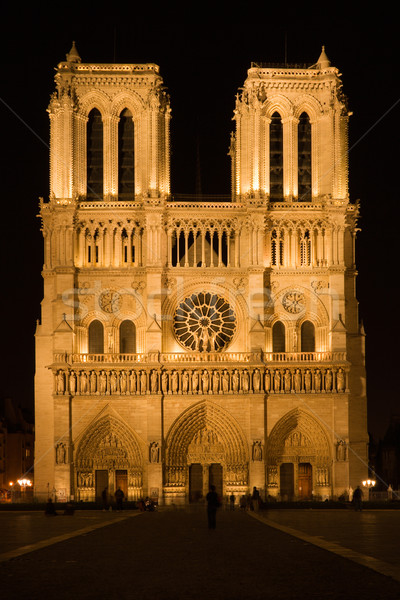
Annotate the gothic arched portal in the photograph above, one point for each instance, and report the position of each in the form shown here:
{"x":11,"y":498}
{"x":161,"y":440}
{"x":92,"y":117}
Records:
{"x":205,"y":435}
{"x":108,"y":454}
{"x":298,"y":447}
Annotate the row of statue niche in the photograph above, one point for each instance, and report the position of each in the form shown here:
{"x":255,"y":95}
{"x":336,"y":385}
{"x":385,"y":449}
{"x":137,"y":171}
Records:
{"x":236,"y":475}
{"x":128,"y":382}
{"x":176,"y":475}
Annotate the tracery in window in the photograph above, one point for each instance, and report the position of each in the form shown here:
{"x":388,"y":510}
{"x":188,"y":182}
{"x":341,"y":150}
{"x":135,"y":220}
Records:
{"x":94,"y":155}
{"x":304,"y":158}
{"x":126,"y":156}
{"x":204,"y":322}
{"x":276,"y":157}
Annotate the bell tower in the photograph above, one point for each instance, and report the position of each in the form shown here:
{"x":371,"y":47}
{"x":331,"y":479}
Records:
{"x":109,"y":178}
{"x":289,"y":151}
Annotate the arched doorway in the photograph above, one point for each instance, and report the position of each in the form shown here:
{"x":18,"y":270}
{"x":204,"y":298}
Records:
{"x":108,"y":456}
{"x":299,"y":458}
{"x":205,"y":446}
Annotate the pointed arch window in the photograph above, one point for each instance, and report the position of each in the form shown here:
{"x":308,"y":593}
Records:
{"x":307,"y":336}
{"x":127,"y":337}
{"x":305,"y":248}
{"x":96,"y":337}
{"x":278,"y":337}
{"x":126,"y":155}
{"x":277,"y":248}
{"x":94,"y":155}
{"x":276,"y":157}
{"x":304,"y":158}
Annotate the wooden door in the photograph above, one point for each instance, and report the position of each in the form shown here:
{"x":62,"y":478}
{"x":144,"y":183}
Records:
{"x":195,"y":482}
{"x":121,"y":481}
{"x":305,"y":481}
{"x":215,"y":478}
{"x":101,"y":482}
{"x":287,"y":481}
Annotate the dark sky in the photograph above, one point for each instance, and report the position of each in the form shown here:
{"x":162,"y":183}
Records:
{"x":202,"y":65}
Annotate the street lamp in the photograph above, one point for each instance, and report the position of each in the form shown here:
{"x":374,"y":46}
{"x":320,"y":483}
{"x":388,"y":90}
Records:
{"x":367,"y":485}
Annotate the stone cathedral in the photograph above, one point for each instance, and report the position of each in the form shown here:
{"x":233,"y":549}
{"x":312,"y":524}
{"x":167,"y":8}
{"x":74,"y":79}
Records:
{"x":196,"y":341}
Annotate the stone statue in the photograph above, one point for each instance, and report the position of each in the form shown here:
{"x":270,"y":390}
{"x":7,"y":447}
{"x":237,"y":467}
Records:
{"x":132,"y":382}
{"x":267,"y":381}
{"x":297,"y":381}
{"x":195,"y":381}
{"x":143,"y":382}
{"x":84,"y":383}
{"x":317,"y":380}
{"x":256,"y":381}
{"x":235,"y":381}
{"x":340,"y":384}
{"x":185,"y":382}
{"x":93,"y":382}
{"x":245,"y":381}
{"x":215,"y":382}
{"x":113,"y":382}
{"x":225,"y":381}
{"x":277,"y":381}
{"x":328,"y":380}
{"x":257,"y":451}
{"x":164,"y":382}
{"x":205,"y":378}
{"x":174,"y":382}
{"x":154,"y":381}
{"x":72,"y":382}
{"x":341,"y":450}
{"x":154,"y":452}
{"x":307,"y":381}
{"x":123,"y":382}
{"x":60,"y":383}
{"x":61,"y":454}
{"x":103,"y":383}
{"x":288,"y":380}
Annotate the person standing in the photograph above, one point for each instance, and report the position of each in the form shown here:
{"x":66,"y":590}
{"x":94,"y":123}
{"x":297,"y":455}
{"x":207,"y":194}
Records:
{"x":104,"y":498}
{"x":357,"y":499}
{"x":212,"y":505}
{"x":119,"y":497}
{"x":256,"y":499}
{"x":232,"y":501}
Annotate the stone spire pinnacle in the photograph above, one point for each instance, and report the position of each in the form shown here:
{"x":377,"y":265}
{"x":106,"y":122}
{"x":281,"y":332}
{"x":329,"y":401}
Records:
{"x":73,"y":55}
{"x":323,"y":62}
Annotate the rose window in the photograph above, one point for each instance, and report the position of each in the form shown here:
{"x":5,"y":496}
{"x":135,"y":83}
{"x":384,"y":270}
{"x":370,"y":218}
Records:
{"x":204,"y":322}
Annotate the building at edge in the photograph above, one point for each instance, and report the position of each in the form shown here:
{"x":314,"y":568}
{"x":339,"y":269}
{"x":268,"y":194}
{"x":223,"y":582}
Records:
{"x":189,"y":342}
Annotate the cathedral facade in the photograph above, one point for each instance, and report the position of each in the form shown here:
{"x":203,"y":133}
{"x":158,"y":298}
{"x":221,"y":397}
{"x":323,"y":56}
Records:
{"x":189,"y":342}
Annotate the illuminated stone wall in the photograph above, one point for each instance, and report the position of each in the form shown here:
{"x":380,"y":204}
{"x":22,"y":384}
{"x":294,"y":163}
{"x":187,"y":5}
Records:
{"x":219,"y":299}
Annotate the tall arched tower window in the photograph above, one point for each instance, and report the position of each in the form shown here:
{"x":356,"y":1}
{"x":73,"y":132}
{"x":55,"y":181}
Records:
{"x":278,"y":337}
{"x":126,"y":155}
{"x":277,"y":248}
{"x":307,"y":337}
{"x":127,"y":337}
{"x":276,"y":157}
{"x":304,"y":158}
{"x":94,"y":155}
{"x":96,"y":337}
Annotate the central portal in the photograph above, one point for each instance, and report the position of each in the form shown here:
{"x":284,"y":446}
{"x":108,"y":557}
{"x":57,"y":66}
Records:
{"x":202,"y":477}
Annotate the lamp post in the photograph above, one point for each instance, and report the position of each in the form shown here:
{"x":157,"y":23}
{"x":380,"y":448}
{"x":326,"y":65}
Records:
{"x":367,"y":485}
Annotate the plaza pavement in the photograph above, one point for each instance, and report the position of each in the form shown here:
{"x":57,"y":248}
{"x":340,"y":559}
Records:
{"x":171,"y":554}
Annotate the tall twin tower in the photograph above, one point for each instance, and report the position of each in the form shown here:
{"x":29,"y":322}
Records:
{"x":189,"y":343}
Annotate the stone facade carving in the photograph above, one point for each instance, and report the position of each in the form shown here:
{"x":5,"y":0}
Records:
{"x":202,"y":377}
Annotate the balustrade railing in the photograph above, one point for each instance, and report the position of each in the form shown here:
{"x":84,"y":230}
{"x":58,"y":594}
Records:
{"x":190,"y":357}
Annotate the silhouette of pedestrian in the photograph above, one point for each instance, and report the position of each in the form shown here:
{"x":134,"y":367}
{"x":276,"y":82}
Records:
{"x":212,"y":505}
{"x":119,"y":496}
{"x":232,"y":501}
{"x":50,"y":510}
{"x":104,"y":498}
{"x":357,"y":499}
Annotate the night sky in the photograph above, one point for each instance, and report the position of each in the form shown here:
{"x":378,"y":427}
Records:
{"x":203,"y":66}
